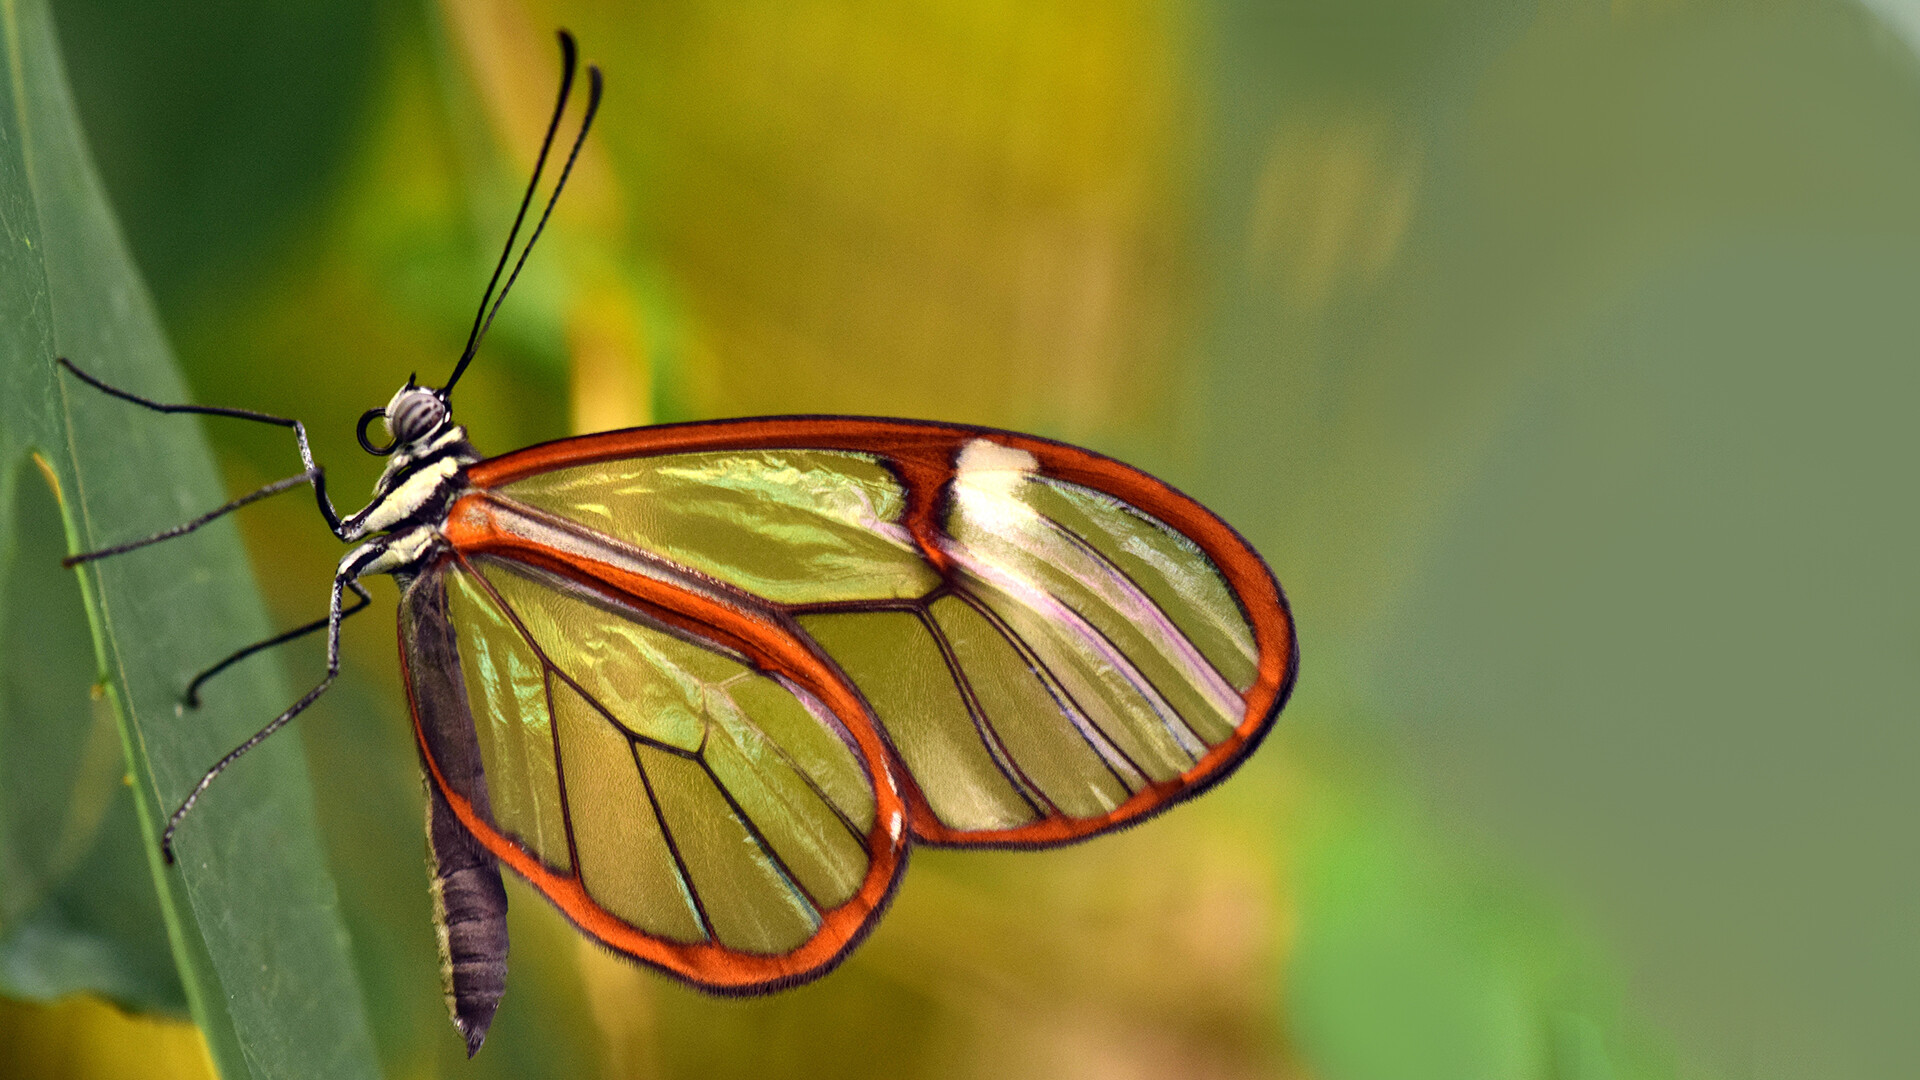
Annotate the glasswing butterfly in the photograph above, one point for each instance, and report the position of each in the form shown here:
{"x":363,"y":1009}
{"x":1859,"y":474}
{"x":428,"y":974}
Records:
{"x":704,"y":685}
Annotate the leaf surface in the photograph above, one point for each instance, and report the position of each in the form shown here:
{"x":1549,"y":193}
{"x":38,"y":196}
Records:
{"x":250,"y":912}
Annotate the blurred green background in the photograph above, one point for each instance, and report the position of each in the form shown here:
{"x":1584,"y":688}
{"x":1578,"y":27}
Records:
{"x":1558,"y":356}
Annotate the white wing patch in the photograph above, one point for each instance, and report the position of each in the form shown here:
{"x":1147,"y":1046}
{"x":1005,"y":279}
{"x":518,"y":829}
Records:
{"x":986,"y":483}
{"x":987,"y":465}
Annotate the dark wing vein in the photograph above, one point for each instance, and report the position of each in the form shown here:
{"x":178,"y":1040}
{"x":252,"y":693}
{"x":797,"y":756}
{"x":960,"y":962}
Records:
{"x":856,"y":607}
{"x":759,"y":838}
{"x":560,"y":773}
{"x":1170,"y":627}
{"x":673,"y":846}
{"x":1083,"y":724}
{"x":1017,"y":778}
{"x":1163,"y":709}
{"x":807,"y":778}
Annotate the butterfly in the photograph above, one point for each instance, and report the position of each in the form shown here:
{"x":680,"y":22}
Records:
{"x":705,"y":685}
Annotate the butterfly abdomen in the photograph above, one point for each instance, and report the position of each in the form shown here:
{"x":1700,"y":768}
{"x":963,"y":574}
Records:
{"x":469,"y":901}
{"x":470,"y":914}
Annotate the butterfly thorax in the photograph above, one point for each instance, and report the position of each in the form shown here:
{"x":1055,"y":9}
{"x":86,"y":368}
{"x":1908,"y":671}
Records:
{"x":410,"y":500}
{"x":417,"y":488}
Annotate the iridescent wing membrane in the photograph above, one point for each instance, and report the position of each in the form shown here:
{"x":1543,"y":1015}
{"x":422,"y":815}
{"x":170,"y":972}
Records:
{"x":714,"y":678}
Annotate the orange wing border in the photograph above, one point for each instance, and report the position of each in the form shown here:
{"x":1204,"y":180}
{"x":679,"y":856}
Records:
{"x":923,"y":455}
{"x":709,"y":964}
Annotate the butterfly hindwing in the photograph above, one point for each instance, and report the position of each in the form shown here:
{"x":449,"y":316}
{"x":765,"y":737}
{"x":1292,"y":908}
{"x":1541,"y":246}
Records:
{"x":678,"y":801}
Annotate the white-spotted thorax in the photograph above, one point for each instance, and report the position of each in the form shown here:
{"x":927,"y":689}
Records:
{"x":427,"y":472}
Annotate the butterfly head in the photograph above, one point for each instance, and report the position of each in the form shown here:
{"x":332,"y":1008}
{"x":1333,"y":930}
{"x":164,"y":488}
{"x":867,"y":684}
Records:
{"x":415,"y":414}
{"x":418,"y":415}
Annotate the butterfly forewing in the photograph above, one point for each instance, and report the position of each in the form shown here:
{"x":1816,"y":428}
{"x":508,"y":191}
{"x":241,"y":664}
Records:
{"x":788,"y":526}
{"x":1051,"y":643}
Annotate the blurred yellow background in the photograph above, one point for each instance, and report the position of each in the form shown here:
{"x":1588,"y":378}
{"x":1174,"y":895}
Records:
{"x":1558,"y":357}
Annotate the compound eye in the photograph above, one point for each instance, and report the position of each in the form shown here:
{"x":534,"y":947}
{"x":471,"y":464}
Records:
{"x":414,"y":415}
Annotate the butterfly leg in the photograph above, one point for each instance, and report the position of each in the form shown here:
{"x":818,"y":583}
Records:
{"x":186,"y":527}
{"x":313,"y":474}
{"x":192,"y":697}
{"x":371,"y":558}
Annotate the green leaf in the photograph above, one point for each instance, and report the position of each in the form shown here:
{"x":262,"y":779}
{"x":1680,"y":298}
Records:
{"x":250,"y":912}
{"x":77,"y":912}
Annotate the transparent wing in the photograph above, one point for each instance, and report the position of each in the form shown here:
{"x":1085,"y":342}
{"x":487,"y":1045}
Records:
{"x":677,"y":803}
{"x":1054,"y":644}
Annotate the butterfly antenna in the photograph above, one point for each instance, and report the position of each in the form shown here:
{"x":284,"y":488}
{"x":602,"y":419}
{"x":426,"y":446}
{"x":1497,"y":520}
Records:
{"x":483,"y":318}
{"x":586,"y":122}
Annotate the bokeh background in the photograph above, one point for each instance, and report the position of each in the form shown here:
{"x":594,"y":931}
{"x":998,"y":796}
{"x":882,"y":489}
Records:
{"x":1559,"y":356}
